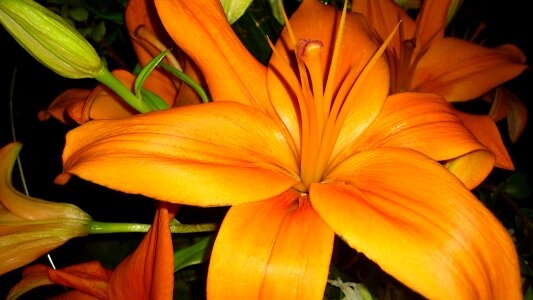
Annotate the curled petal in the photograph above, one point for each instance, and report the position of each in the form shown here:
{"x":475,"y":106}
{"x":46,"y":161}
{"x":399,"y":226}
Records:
{"x":234,"y":150}
{"x":420,"y":224}
{"x":472,"y":168}
{"x":288,"y":260}
{"x":486,"y":132}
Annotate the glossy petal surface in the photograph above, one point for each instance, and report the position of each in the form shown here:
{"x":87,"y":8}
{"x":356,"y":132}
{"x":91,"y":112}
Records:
{"x":414,"y":219}
{"x":289,"y":258}
{"x":235,"y":150}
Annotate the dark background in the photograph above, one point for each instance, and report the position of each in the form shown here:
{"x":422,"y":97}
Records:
{"x":33,"y":87}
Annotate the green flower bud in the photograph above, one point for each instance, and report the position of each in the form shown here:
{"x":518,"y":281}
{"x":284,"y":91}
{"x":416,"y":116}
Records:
{"x":50,"y":39}
{"x":31,"y":227}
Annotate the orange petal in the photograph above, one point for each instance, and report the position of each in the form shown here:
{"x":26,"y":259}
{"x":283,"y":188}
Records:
{"x":419,"y":224}
{"x":74,"y":295}
{"x":230,"y":152}
{"x":315,"y":21}
{"x":383,"y":16}
{"x":459,"y":70}
{"x":59,"y":106}
{"x":231,"y":72}
{"x":431,"y":22}
{"x":422,"y":122}
{"x":143,"y":13}
{"x":32,"y":277}
{"x":472,"y":168}
{"x":507,"y":105}
{"x":486,"y":132}
{"x":103,"y":104}
{"x":89,"y":278}
{"x":148,"y":273}
{"x":273,"y":249}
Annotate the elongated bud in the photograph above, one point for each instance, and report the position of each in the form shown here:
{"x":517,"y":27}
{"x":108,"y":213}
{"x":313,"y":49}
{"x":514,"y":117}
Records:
{"x":50,"y":39}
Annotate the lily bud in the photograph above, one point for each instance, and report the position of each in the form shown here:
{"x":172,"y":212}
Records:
{"x":50,"y":39}
{"x":31,"y":227}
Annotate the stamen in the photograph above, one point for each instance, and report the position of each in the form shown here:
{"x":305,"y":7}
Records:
{"x":309,"y":51}
{"x":328,"y":94}
{"x":335,"y":121}
{"x":346,"y":108}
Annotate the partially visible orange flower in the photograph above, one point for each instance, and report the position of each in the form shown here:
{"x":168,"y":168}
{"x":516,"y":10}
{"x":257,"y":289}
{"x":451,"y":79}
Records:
{"x":422,"y":59}
{"x":31,"y":227}
{"x":147,"y":273}
{"x":303,"y":149}
{"x":81,"y":105}
{"x":507,"y":105}
{"x":149,"y":39}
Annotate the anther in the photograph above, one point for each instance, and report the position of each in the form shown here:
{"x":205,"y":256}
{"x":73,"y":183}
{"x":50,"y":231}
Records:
{"x":308,"y":49}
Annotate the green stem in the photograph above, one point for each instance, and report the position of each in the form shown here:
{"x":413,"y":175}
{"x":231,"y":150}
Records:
{"x":125,"y":93}
{"x":109,"y":227}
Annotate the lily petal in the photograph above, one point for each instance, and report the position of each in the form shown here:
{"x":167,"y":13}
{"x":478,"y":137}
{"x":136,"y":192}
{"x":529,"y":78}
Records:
{"x":419,"y":121}
{"x":143,"y":13}
{"x":231,"y":72}
{"x":459,"y":70}
{"x":62,"y":102}
{"x":418,"y":222}
{"x":89,"y":278}
{"x":431,"y":22}
{"x":288,"y":260}
{"x":32,"y":277}
{"x":235,"y":150}
{"x":314,"y":21}
{"x":472,"y":168}
{"x":383,"y":16}
{"x":487,"y":133}
{"x":507,"y":105}
{"x":148,"y":273}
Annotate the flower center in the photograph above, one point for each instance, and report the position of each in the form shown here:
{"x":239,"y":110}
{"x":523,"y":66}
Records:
{"x":322,"y":103}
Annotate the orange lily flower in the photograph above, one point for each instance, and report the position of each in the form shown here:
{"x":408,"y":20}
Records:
{"x":149,"y":39}
{"x":306,"y":148}
{"x":147,"y":273}
{"x":31,"y":227}
{"x":422,"y":59}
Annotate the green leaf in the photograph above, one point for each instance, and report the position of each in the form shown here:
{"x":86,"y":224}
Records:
{"x":78,"y":14}
{"x":518,"y":185}
{"x":99,"y":31}
{"x":192,"y":255}
{"x":153,"y":100}
{"x":145,"y":72}
{"x":255,"y":26}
